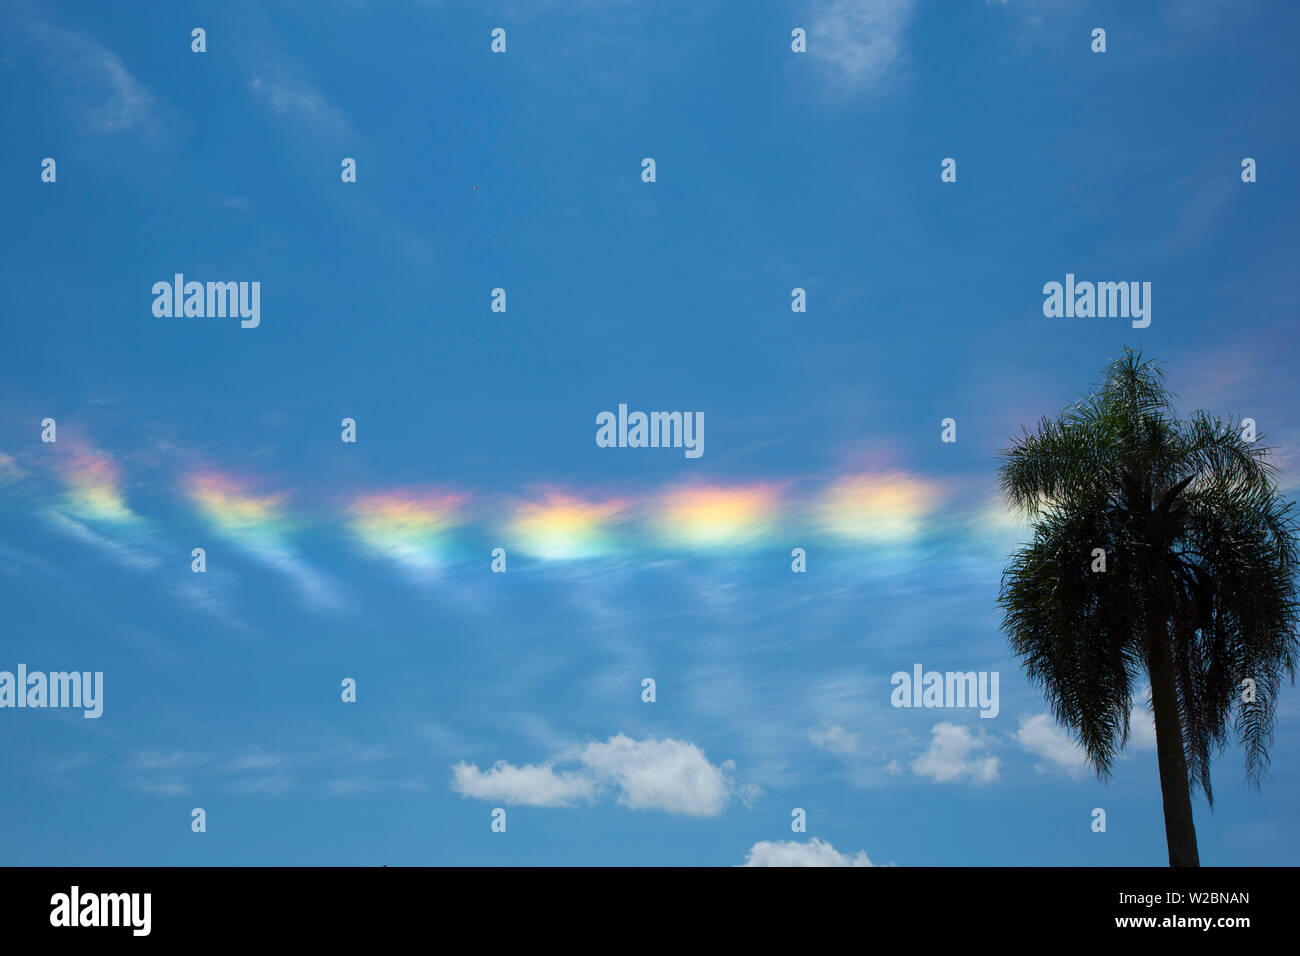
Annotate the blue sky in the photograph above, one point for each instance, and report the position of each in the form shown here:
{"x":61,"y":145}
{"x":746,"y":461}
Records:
{"x":522,"y":171}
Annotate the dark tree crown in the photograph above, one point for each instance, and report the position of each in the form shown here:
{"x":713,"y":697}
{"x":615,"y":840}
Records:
{"x":1200,"y":551}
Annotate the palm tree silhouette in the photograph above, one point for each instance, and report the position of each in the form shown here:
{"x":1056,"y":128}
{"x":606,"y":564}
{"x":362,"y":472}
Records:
{"x":1198,"y":590}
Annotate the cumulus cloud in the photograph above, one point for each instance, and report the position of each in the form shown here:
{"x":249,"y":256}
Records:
{"x":673,"y":776}
{"x":532,"y":785}
{"x":669,"y":775}
{"x":956,"y":753}
{"x":1142,"y":724}
{"x":1044,"y":738}
{"x":792,"y":853}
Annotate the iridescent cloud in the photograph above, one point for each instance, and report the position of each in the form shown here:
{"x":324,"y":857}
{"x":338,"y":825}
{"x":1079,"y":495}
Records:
{"x":9,"y":470}
{"x":999,"y":526}
{"x":563,"y":527}
{"x":235,"y":510}
{"x":426,"y":529}
{"x":259,"y":525}
{"x":717,"y":516}
{"x":94,"y":487}
{"x":877,"y":508}
{"x":411,"y":527}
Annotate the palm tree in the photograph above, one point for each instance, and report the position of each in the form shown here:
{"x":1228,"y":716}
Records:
{"x":1198,"y":588}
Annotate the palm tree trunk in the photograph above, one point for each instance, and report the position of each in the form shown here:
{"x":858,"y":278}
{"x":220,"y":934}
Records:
{"x":1180,"y":831}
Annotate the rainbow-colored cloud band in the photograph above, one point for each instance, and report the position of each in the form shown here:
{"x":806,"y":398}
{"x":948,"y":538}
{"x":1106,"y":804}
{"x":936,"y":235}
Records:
{"x":234,"y":509}
{"x":717,"y":516}
{"x":878,"y":509}
{"x":426,"y":528}
{"x":410,"y":526}
{"x":94,"y":486}
{"x":563,"y":527}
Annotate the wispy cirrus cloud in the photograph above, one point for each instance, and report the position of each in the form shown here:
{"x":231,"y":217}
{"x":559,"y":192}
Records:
{"x":94,"y":508}
{"x":408,"y":526}
{"x":834,"y":739}
{"x":10,"y":470}
{"x":258,"y":524}
{"x":341,"y":769}
{"x":94,"y":484}
{"x":118,"y":551}
{"x":102,"y":95}
{"x":858,"y":42}
{"x":284,"y":87}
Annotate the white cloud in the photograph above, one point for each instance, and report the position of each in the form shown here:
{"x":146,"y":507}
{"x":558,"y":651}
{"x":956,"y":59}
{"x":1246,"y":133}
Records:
{"x":104,"y":96}
{"x":1044,"y":738}
{"x":256,"y":760}
{"x":116,"y":551}
{"x":272,"y":784}
{"x":858,"y":40}
{"x":211,"y":596}
{"x":669,"y":775}
{"x":284,"y":87}
{"x":792,"y":853}
{"x":346,"y":786}
{"x":159,"y":760}
{"x":955,"y":753}
{"x":532,"y":785}
{"x":1034,"y":14}
{"x":255,"y":771}
{"x":318,"y":591}
{"x":9,"y":469}
{"x":1142,"y":724}
{"x":162,"y":788}
{"x":834,"y":739}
